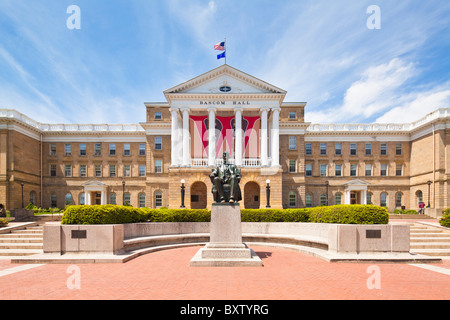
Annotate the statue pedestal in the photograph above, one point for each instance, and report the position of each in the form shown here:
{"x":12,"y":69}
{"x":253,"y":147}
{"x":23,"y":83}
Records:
{"x":225,"y":248}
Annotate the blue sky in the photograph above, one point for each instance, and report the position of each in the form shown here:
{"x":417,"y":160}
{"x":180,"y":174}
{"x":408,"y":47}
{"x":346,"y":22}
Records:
{"x":128,"y":52}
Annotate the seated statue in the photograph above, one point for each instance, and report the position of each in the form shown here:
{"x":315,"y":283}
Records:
{"x":225,"y":179}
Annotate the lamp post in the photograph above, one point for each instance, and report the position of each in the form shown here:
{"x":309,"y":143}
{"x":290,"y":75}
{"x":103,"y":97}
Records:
{"x":183,"y":191}
{"x":429,"y":192}
{"x":123,"y":192}
{"x":22,"y":194}
{"x":268,"y":193}
{"x":327,"y":183}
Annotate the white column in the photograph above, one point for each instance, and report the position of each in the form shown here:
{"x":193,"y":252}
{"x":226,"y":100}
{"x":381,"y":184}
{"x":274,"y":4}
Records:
{"x":87,"y":197}
{"x":212,"y":137}
{"x":174,"y":137}
{"x":103,"y":200}
{"x":238,"y":137}
{"x":347,"y":197}
{"x":264,"y":156}
{"x":275,"y":134}
{"x":186,"y":139}
{"x":364,"y":196}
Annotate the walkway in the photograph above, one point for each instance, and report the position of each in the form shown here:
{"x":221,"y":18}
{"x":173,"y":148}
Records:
{"x":166,"y":275}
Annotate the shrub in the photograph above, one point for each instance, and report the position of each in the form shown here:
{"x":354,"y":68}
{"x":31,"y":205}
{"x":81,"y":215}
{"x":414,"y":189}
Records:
{"x":275,"y":215}
{"x":350,"y":214}
{"x":177,"y":215}
{"x":106,"y":214}
{"x":445,"y":219}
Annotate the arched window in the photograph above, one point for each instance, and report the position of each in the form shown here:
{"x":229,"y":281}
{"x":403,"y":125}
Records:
{"x":338,"y":198}
{"x":158,"y":199}
{"x":141,"y":200}
{"x":53,"y":201}
{"x":398,"y":199}
{"x":323,"y":199}
{"x":68,"y":199}
{"x":383,"y":199}
{"x":112,"y":198}
{"x":419,"y":196}
{"x":292,"y":199}
{"x":369,"y":198}
{"x":127,"y":199}
{"x":309,"y":200}
{"x":82,"y":198}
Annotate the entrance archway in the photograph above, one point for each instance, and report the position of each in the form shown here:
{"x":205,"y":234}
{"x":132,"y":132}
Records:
{"x":251,"y":195}
{"x":198,"y":196}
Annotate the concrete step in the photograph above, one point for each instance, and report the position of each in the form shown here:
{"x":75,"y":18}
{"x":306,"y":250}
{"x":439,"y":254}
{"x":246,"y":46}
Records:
{"x":20,"y":245}
{"x":432,"y":252}
{"x":29,"y":231}
{"x":21,"y":235}
{"x":19,"y":252}
{"x":20,"y":240}
{"x":426,"y":230}
{"x":430,"y":245}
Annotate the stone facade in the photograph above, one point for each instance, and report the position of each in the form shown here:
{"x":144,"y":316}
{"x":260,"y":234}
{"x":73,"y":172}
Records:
{"x":305,"y":164}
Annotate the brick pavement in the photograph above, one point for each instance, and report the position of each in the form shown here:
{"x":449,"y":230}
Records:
{"x":166,"y":275}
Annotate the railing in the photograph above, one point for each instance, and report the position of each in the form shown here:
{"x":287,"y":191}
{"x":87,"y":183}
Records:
{"x":246,"y":162}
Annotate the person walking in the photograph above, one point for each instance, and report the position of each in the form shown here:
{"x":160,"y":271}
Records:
{"x":421,"y":208}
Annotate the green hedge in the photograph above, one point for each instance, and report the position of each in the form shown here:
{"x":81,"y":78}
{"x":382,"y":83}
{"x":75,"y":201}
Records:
{"x":106,"y":214}
{"x":112,"y":214}
{"x":445,"y":220}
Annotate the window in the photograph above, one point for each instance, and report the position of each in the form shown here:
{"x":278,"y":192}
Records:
{"x":126,"y":170}
{"x":419,"y":197}
{"x":338,"y":198}
{"x":53,"y":170}
{"x":292,"y":143}
{"x":82,"y":149}
{"x":158,"y":143}
{"x":323,"y":199}
{"x":141,"y":200}
{"x":98,"y":170}
{"x":308,"y":170}
{"x":142,"y":149}
{"x":53,"y":149}
{"x":67,"y":149}
{"x":368,"y":149}
{"x":83,"y":170}
{"x":292,"y":199}
{"x":112,"y":170}
{"x":353,"y":170}
{"x":68,"y":170}
{"x":292,"y":115}
{"x":323,"y":148}
{"x":98,"y":149}
{"x":383,"y":170}
{"x":383,"y":149}
{"x":68,"y":199}
{"x":158,"y":115}
{"x":127,"y":198}
{"x":353,"y":149}
{"x":323,"y":170}
{"x":398,"y":199}
{"x":158,"y":199}
{"x":158,"y":166}
{"x":368,"y":170}
{"x":338,"y":170}
{"x":369,"y":198}
{"x":126,"y":149}
{"x":112,"y":149}
{"x":338,"y":149}
{"x":53,"y":202}
{"x":398,"y":149}
{"x":142,"y":170}
{"x":308,"y":148}
{"x":113,"y":198}
{"x":399,"y":170}
{"x":308,"y":200}
{"x":82,"y":198}
{"x":33,"y":197}
{"x":383,"y":199}
{"x":292,"y":166}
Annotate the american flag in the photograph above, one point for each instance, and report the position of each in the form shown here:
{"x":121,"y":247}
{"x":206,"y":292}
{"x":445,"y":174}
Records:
{"x":219,"y":46}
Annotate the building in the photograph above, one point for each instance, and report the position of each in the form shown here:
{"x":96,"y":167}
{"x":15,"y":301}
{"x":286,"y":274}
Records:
{"x":146,"y":164}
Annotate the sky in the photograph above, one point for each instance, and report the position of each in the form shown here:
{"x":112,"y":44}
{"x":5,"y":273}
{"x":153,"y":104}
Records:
{"x":127,"y":52}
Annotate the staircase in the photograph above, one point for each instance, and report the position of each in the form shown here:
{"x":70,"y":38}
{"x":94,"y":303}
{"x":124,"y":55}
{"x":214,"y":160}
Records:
{"x":23,"y":242}
{"x":429,"y":240}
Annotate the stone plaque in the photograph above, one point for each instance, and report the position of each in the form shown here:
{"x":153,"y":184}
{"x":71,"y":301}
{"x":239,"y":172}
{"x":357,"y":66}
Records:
{"x":79,"y":234}
{"x":373,"y":234}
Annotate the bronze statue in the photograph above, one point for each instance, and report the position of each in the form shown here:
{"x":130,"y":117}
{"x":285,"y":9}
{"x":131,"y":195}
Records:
{"x":225,"y":179}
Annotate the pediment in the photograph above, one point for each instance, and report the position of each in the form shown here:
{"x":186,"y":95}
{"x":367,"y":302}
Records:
{"x":225,"y":80}
{"x":357,"y":182}
{"x":94,"y":183}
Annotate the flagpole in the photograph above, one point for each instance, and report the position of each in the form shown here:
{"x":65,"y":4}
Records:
{"x":225,"y":46}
